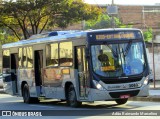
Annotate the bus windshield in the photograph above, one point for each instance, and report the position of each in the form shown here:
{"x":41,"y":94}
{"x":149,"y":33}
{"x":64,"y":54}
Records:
{"x":118,"y":60}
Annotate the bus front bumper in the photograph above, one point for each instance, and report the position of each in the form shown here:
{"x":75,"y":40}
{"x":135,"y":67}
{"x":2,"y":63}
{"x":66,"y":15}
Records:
{"x":101,"y":95}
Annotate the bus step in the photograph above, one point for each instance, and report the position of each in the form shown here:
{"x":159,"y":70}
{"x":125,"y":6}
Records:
{"x":41,"y":97}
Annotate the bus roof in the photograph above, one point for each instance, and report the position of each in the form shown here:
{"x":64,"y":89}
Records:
{"x":114,"y":29}
{"x":45,"y":39}
{"x":58,"y":36}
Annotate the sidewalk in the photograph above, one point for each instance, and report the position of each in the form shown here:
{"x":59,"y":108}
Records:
{"x":1,"y":91}
{"x":154,"y":94}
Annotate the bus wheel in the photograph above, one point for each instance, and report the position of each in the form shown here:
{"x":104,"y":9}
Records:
{"x":121,"y":101}
{"x":62,"y":100}
{"x":35,"y":100}
{"x":26,"y":95}
{"x":71,"y":97}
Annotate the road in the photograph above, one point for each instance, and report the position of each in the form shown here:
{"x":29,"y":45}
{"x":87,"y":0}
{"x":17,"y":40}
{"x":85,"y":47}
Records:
{"x":100,"y":108}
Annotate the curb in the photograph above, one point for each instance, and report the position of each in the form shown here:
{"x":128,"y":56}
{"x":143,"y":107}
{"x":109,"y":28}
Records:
{"x":2,"y":91}
{"x":155,"y":98}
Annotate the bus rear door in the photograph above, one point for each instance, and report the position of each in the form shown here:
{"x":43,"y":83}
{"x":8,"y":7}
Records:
{"x":10,"y":74}
{"x":38,"y":66}
{"x":14,"y":67}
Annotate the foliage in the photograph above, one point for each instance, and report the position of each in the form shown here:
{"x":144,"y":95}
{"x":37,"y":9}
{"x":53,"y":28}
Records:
{"x":6,"y":38}
{"x":104,"y":21}
{"x":148,"y":35}
{"x":119,"y":24}
{"x":2,"y":38}
{"x":30,"y":17}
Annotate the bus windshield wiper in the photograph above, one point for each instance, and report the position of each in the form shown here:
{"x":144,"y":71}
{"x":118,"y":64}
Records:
{"x":127,"y":48}
{"x":115,"y":53}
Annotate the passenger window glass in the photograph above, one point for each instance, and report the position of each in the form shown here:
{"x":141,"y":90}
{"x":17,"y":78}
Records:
{"x":66,"y":58}
{"x":24,"y":57}
{"x":52,"y":54}
{"x":20,"y":57}
{"x":6,"y":59}
{"x":29,"y":57}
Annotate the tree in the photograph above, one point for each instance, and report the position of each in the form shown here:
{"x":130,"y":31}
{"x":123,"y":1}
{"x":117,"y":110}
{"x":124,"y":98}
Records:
{"x":104,"y":21}
{"x":30,"y":17}
{"x":6,"y":38}
{"x":148,"y":35}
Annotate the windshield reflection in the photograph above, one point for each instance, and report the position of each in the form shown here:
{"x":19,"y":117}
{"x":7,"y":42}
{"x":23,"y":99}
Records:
{"x":115,"y":60}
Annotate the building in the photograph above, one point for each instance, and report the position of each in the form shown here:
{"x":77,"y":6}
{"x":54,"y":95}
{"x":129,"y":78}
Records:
{"x":142,"y":17}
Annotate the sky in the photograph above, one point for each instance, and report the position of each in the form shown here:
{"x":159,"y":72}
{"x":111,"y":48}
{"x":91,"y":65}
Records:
{"x":124,"y":2}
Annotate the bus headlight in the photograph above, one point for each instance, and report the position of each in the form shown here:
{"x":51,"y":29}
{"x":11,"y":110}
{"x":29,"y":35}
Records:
{"x":146,"y":81}
{"x":98,"y":85}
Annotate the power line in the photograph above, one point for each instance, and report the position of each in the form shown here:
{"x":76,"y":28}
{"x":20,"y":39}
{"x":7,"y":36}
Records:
{"x":97,"y":4}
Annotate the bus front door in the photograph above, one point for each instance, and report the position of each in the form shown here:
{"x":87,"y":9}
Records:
{"x":81,"y":66}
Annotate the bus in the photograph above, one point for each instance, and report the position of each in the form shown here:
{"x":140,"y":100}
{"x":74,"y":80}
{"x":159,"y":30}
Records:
{"x":78,"y":66}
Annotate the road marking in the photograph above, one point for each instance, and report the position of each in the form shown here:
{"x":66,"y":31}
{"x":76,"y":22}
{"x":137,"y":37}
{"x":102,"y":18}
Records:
{"x":41,"y":106}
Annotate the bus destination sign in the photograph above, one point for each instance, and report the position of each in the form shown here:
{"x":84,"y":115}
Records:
{"x":120,"y":35}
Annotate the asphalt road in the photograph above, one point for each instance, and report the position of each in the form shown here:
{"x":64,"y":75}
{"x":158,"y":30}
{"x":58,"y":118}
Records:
{"x":99,"y":109}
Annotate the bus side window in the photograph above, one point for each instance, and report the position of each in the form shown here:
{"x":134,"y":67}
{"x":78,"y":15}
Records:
{"x":20,"y":57}
{"x":6,"y":61}
{"x":24,"y":57}
{"x":29,"y":57}
{"x":66,"y":58}
{"x":52,"y":55}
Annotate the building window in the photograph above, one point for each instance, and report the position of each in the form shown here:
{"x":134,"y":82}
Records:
{"x":66,"y":58}
{"x":52,"y":55}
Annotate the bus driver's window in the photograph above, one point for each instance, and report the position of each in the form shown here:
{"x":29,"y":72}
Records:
{"x":103,"y":58}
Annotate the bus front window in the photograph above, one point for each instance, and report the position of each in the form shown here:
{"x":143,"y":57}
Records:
{"x":115,"y":60}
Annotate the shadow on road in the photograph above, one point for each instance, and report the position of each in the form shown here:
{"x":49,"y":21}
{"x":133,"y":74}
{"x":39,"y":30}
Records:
{"x":58,"y":108}
{"x":89,"y":106}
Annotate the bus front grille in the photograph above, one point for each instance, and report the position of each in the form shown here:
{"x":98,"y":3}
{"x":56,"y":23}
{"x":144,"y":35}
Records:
{"x":119,"y":81}
{"x":118,"y":94}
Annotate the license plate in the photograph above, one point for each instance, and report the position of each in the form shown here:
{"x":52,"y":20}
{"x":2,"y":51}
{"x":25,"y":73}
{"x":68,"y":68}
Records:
{"x":124,"y":96}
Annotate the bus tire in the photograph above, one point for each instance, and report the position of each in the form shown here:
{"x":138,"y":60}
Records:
{"x":121,"y":101}
{"x":26,"y":94}
{"x":62,"y":100}
{"x":71,"y":97}
{"x":35,"y":100}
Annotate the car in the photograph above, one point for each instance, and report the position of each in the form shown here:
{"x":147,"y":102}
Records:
{"x":1,"y":81}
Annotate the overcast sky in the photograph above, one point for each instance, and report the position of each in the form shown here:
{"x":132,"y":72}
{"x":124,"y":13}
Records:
{"x":124,"y":2}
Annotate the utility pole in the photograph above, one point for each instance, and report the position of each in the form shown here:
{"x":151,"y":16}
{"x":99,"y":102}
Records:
{"x":112,"y":20}
{"x":83,"y":25}
{"x":154,"y":81}
{"x":112,"y":10}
